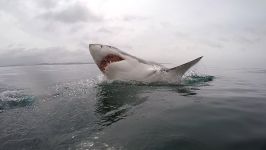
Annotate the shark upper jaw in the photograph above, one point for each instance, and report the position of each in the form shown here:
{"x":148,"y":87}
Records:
{"x":104,"y":55}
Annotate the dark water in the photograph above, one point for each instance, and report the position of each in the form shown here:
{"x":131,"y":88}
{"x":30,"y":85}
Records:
{"x":68,"y":107}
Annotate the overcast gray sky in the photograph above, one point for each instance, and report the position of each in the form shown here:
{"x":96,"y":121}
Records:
{"x":231,"y":32}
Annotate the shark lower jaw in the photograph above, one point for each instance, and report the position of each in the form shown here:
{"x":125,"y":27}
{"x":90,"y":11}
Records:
{"x":107,"y":60}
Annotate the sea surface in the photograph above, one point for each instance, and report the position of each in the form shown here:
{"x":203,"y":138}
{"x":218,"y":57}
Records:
{"x":71,"y":107}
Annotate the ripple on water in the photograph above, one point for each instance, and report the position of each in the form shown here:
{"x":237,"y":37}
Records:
{"x":14,"y":98}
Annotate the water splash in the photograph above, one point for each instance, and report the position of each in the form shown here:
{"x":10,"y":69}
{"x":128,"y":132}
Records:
{"x":189,"y":80}
{"x":14,"y":98}
{"x":196,"y":79}
{"x":75,"y":89}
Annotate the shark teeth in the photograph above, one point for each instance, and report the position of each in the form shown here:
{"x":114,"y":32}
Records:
{"x":108,"y":59}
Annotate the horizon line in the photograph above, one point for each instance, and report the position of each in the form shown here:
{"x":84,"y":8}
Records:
{"x":48,"y":64}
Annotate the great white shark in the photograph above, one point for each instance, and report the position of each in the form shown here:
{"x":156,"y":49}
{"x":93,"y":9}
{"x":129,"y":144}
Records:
{"x":118,"y":65}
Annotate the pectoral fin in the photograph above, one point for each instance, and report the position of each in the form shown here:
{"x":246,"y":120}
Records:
{"x":180,"y":70}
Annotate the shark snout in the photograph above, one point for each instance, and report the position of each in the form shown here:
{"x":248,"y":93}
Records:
{"x":97,"y":52}
{"x":95,"y":49}
{"x":95,"y":46}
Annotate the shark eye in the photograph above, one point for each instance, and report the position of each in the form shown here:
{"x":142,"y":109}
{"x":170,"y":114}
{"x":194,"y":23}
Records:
{"x":107,"y":60}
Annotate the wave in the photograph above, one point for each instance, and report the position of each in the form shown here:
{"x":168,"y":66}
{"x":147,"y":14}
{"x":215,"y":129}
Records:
{"x":14,"y":98}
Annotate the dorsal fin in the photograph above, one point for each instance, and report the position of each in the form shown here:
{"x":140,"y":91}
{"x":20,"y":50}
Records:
{"x":180,"y":70}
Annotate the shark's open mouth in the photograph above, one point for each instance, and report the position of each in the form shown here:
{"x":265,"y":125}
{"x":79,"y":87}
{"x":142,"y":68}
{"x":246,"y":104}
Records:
{"x":108,"y":59}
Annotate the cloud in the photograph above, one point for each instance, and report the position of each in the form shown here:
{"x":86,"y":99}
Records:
{"x":35,"y":31}
{"x":134,"y":18}
{"x":104,"y":30}
{"x":47,"y":4}
{"x":72,"y":14}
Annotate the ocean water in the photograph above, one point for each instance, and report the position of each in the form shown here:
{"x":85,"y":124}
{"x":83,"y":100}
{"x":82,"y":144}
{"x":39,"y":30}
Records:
{"x":71,"y":107}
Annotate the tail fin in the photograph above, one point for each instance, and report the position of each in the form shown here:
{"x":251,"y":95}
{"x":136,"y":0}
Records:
{"x":180,"y":70}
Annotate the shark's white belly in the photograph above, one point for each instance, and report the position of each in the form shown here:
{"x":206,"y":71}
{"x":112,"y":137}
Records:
{"x":135,"y":71}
